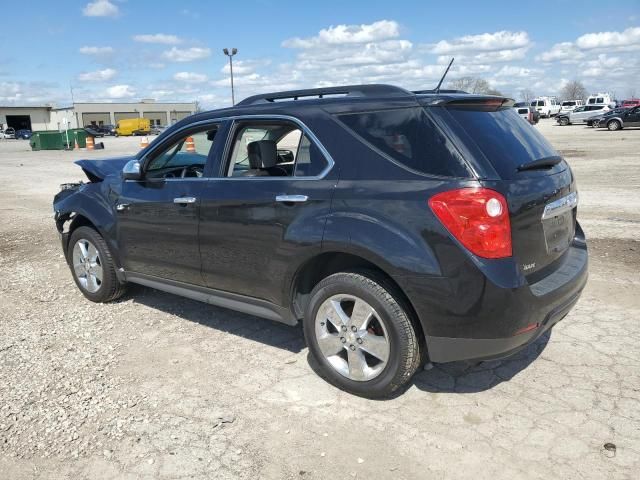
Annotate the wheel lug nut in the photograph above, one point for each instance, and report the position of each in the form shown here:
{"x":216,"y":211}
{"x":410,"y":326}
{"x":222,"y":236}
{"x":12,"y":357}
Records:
{"x":359,"y":340}
{"x":352,"y":347}
{"x":344,"y":328}
{"x":322,"y":324}
{"x":353,"y":328}
{"x":343,"y":340}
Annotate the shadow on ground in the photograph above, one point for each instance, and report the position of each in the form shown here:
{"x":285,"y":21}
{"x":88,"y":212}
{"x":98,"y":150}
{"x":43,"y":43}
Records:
{"x":456,"y":377}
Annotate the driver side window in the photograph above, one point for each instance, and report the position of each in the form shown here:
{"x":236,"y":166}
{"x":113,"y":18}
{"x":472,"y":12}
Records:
{"x":185,"y":158}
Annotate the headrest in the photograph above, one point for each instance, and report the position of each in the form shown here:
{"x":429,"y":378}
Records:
{"x":262,"y":154}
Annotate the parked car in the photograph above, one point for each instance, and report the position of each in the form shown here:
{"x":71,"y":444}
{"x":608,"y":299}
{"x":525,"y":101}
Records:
{"x":398,"y":227}
{"x":94,"y":132}
{"x":9,"y":133}
{"x":103,"y":129}
{"x":157,"y":129}
{"x":530,"y":114}
{"x":547,"y":106}
{"x":23,"y":134}
{"x":581,"y":114}
{"x":619,"y":119}
{"x":570,"y":105}
{"x":596,"y":119}
{"x":633,"y":102}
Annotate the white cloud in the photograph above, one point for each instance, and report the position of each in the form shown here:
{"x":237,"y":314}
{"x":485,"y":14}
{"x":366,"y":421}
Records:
{"x":190,"y":77}
{"x":186,"y":54}
{"x":244,"y":67}
{"x":561,"y":52}
{"x":162,"y":38}
{"x":96,"y":50}
{"x":627,"y":40}
{"x":100,"y":8}
{"x":98,"y":75}
{"x":485,"y":42}
{"x":119,"y":91}
{"x":345,"y":34}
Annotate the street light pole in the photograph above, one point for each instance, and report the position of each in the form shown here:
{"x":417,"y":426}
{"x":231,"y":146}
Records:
{"x":230,"y":55}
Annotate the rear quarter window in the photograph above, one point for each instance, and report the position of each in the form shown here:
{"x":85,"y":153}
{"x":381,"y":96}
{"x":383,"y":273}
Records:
{"x":410,"y":138}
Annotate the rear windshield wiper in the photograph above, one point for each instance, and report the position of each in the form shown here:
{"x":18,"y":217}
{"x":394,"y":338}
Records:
{"x":540,"y":164}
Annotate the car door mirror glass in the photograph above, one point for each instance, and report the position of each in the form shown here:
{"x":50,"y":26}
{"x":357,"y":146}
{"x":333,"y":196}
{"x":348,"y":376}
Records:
{"x":132,"y":170}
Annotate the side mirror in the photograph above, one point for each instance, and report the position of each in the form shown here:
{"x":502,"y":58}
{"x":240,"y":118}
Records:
{"x":132,"y":171}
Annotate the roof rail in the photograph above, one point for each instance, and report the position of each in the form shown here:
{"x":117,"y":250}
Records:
{"x":370,"y":90}
{"x":442,"y":90}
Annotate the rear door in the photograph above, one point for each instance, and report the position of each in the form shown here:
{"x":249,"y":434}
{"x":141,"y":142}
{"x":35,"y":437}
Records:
{"x":537,"y":182}
{"x":259,"y":221}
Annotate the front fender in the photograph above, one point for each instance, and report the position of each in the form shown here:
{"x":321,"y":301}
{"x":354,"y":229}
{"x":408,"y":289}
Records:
{"x":88,"y":202}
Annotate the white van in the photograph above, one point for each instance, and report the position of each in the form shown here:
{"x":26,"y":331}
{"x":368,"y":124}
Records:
{"x":570,"y":105}
{"x":547,"y":106}
{"x":599,"y":99}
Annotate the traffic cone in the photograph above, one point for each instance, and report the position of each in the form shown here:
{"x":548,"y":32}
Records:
{"x":144,"y":142}
{"x":90,"y":145}
{"x":191,"y":146}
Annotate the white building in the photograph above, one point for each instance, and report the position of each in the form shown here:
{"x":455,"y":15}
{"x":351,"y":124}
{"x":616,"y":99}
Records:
{"x":82,"y":114}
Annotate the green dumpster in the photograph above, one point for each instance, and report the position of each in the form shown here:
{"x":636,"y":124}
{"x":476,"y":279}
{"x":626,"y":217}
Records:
{"x":79,"y":134}
{"x":47,"y":140}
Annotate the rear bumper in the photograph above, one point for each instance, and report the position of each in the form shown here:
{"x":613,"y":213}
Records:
{"x":471,"y":317}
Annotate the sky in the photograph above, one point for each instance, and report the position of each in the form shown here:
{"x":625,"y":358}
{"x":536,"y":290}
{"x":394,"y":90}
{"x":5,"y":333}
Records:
{"x":126,"y":50}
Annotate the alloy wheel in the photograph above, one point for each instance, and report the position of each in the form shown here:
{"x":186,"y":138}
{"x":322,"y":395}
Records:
{"x":87,"y":265}
{"x":352,"y":337}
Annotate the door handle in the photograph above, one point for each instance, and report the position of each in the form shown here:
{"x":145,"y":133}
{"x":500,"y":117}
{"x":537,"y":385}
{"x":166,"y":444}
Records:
{"x":291,"y":198}
{"x":184,"y":200}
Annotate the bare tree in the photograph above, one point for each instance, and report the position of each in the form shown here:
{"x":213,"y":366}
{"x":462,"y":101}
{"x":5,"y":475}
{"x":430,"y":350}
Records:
{"x":632,"y":93}
{"x":574,"y":90}
{"x":198,"y":107}
{"x":473,"y":85}
{"x":527,"y":95}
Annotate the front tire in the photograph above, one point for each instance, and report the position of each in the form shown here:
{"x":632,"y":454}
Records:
{"x":564,"y":121}
{"x":92,"y":266}
{"x":614,"y":125}
{"x":361,"y":335}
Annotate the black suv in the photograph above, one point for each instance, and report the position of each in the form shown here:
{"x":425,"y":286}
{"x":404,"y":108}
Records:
{"x":400,"y":227}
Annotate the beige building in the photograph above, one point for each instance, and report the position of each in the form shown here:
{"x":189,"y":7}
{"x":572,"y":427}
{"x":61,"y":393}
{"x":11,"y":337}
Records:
{"x":83,"y":114}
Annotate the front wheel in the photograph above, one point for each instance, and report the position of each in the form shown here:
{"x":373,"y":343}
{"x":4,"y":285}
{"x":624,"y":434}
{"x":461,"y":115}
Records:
{"x":614,"y":125}
{"x":564,"y":121}
{"x":360,"y":335}
{"x":92,"y":266}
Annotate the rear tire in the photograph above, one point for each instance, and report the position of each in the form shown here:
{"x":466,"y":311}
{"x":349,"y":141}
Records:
{"x":614,"y":125}
{"x":373,"y":357}
{"x":92,"y":266}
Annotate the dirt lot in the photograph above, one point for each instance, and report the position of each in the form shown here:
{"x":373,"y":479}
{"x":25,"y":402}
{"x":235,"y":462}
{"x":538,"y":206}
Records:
{"x":157,"y":386}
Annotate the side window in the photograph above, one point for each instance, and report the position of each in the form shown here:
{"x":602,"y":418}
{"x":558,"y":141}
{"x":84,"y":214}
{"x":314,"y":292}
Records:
{"x":185,"y":158}
{"x":278,"y":149}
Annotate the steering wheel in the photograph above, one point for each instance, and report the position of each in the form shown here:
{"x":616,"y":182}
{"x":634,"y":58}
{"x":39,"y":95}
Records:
{"x":196,"y":168}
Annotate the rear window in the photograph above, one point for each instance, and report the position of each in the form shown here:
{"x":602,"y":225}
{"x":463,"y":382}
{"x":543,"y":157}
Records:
{"x":409,"y":137}
{"x":505,"y":140}
{"x":568,"y":104}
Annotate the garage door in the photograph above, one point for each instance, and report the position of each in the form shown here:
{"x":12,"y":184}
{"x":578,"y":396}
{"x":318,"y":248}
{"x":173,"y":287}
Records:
{"x":177,"y":116}
{"x":96,"y":118}
{"x":19,"y":122}
{"x":122,"y":115}
{"x":156,"y":118}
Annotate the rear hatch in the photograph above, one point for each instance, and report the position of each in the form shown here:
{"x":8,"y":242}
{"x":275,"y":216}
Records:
{"x":536,"y":181}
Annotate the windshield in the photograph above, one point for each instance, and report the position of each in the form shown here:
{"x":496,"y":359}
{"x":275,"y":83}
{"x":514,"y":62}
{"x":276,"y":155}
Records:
{"x":504,"y":139}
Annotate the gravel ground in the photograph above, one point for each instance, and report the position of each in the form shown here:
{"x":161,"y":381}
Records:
{"x":157,"y":386}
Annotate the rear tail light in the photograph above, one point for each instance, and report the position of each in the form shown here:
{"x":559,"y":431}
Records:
{"x":478,"y":218}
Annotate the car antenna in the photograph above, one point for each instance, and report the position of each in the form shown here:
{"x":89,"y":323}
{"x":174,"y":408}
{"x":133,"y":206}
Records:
{"x":445,"y":74}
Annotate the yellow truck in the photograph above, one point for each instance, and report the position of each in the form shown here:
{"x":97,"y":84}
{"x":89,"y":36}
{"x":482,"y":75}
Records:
{"x":133,"y":126}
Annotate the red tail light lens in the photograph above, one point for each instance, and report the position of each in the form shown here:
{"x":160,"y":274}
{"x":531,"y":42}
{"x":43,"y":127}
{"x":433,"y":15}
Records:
{"x":478,"y":218}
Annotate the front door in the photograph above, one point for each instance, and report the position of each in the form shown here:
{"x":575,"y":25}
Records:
{"x":632,"y":118}
{"x":158,"y":215}
{"x":266,"y":212}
